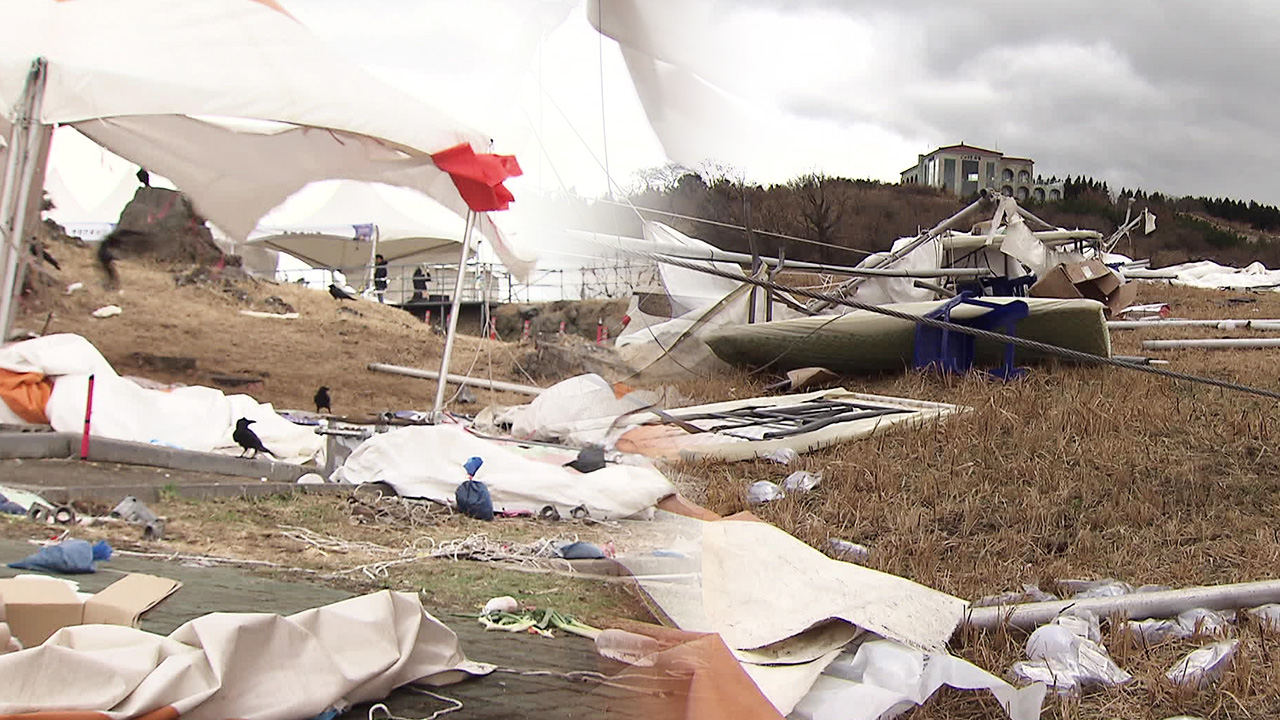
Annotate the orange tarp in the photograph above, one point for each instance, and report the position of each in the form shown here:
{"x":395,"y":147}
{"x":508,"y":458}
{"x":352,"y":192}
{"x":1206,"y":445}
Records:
{"x":26,"y":394}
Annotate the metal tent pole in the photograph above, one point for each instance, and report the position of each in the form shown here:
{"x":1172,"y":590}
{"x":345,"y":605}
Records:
{"x":438,"y":409}
{"x":19,"y":173}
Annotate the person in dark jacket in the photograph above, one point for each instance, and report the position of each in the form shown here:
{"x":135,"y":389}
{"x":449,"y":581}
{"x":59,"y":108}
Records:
{"x":380,"y":276}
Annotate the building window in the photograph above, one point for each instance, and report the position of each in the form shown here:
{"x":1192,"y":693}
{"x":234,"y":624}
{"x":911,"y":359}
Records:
{"x":1054,"y":195}
{"x":1022,"y":192}
{"x":949,"y":172}
{"x":1007,"y":176}
{"x":1039,"y":194}
{"x":1006,"y":190}
{"x":1024,"y":176}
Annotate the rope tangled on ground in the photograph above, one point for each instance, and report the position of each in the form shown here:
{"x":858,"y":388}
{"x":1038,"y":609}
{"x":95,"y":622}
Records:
{"x":477,"y":546}
{"x":394,"y":510}
{"x":455,"y":705}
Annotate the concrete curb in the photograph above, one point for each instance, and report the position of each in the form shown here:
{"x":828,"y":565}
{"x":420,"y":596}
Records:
{"x":66,"y":494}
{"x":67,"y":445}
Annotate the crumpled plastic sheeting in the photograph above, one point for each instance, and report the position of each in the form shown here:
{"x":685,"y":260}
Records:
{"x":427,"y":462}
{"x":884,"y":678}
{"x":1204,"y":666}
{"x":1067,"y":655}
{"x":191,"y":418}
{"x":1211,"y":275}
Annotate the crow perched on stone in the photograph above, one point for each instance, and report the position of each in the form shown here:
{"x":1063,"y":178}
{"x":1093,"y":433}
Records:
{"x":248,"y":439}
{"x":322,"y":399}
{"x":339,"y":294}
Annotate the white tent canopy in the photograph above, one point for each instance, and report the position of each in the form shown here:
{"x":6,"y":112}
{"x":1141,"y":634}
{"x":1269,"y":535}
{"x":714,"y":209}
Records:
{"x":319,"y":226}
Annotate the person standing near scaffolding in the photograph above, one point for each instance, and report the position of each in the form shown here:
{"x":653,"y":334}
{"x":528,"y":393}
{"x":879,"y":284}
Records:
{"x":380,"y":276}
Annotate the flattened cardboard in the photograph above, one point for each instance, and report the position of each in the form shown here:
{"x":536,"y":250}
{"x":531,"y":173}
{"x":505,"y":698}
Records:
{"x":36,"y":609}
{"x":124,"y":601}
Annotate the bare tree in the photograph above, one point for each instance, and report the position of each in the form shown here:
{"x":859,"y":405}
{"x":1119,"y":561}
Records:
{"x":822,"y":205}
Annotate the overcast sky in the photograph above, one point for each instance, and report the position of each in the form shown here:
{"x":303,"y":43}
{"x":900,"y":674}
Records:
{"x":1176,"y":95}
{"x":1171,"y":95}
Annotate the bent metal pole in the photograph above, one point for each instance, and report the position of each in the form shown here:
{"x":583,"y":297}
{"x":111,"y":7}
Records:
{"x":438,"y":408}
{"x":18,"y":177}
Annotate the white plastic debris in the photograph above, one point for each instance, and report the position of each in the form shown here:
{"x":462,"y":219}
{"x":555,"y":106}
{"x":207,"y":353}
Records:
{"x":627,"y":647}
{"x":1267,"y":615}
{"x":504,"y":603}
{"x":74,"y":287}
{"x":764,"y":491}
{"x":782,"y":456}
{"x":1152,"y":631}
{"x":1083,"y":589}
{"x":849,"y":551}
{"x":1030,"y":593}
{"x":1204,"y":666}
{"x":801,"y":481}
{"x":1199,"y":621}
{"x":311,"y":479}
{"x":1066,"y":657}
{"x":107,"y":311}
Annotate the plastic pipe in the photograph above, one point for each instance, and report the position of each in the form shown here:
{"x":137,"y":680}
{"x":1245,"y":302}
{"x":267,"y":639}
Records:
{"x":456,"y":379}
{"x":1212,"y":343}
{"x":1220,"y":324}
{"x":1136,"y":606}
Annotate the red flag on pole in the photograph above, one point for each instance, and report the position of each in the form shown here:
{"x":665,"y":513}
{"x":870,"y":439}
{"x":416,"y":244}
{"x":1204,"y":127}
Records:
{"x":479,"y":177}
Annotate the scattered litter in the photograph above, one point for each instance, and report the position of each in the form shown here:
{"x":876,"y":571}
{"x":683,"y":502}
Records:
{"x":1143,"y":312}
{"x":801,"y":481}
{"x":1267,"y":615}
{"x":537,"y":622}
{"x":627,"y":647}
{"x":1200,"y":621}
{"x":1084,"y":589}
{"x":849,"y":551}
{"x":107,"y":311}
{"x":72,"y":556}
{"x":504,"y":603}
{"x":764,"y":491}
{"x":278,"y":316}
{"x":474,"y":501}
{"x":311,"y":479}
{"x":1152,"y":631}
{"x":1067,"y":656}
{"x":1030,"y":593}
{"x":782,"y":456}
{"x":1203,"y":667}
{"x":132,"y":510}
{"x":74,"y":287}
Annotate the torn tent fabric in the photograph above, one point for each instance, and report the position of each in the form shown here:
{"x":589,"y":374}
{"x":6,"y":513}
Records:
{"x":191,"y":418}
{"x":236,"y":665}
{"x":479,"y":176}
{"x":427,"y":462}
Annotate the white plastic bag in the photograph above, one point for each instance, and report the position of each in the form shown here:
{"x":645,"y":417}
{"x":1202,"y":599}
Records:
{"x":1204,"y":666}
{"x":801,"y":481}
{"x":764,"y":491}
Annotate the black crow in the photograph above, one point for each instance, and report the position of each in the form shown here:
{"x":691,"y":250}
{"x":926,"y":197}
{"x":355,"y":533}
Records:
{"x":248,"y":439}
{"x":108,"y":248}
{"x":144,"y":177}
{"x":322,"y":399}
{"x":339,"y":294}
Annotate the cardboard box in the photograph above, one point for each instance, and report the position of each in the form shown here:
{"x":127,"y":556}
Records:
{"x":1090,"y":279}
{"x":37,"y":608}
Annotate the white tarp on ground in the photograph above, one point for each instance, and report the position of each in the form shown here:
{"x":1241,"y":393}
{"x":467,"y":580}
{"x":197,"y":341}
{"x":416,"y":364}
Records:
{"x":239,"y":665}
{"x":760,"y":585}
{"x":427,"y":462}
{"x":191,"y":418}
{"x":1211,"y":275}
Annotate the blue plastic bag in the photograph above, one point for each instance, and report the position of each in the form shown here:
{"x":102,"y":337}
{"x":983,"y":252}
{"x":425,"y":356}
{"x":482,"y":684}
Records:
{"x":70,"y":557}
{"x":473,"y":500}
{"x":472,"y":465}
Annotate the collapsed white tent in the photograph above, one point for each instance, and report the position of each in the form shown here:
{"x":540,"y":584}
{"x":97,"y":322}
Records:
{"x":191,"y":418}
{"x":160,"y":83}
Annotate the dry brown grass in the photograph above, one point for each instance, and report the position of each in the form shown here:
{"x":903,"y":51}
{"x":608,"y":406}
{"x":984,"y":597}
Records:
{"x":325,"y":346}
